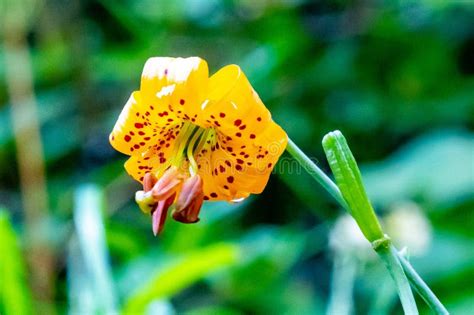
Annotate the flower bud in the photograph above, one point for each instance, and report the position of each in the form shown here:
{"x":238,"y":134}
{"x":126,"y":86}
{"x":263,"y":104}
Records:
{"x":349,"y":180}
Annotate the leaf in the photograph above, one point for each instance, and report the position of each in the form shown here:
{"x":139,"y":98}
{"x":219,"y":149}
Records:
{"x":89,"y":258}
{"x":191,"y":268}
{"x":15,"y":296}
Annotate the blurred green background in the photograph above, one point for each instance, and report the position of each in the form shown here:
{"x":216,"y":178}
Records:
{"x":396,"y":77}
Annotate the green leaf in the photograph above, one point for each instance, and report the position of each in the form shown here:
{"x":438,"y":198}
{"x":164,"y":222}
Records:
{"x":15,"y":297}
{"x":88,"y":256}
{"x":191,"y":268}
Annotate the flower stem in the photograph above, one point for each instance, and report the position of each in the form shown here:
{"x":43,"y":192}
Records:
{"x":388,"y":254}
{"x":391,"y":255}
{"x":421,"y":287}
{"x":315,"y":172}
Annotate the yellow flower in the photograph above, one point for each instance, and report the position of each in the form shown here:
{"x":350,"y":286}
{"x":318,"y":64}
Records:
{"x":210,"y":138}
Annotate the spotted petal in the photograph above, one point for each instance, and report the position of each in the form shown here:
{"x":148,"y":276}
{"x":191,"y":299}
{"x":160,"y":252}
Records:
{"x":248,"y":142}
{"x":181,"y":81}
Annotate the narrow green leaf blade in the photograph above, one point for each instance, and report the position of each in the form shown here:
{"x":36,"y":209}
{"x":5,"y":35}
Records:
{"x":15,"y":296}
{"x":192,"y":267}
{"x":91,"y":248}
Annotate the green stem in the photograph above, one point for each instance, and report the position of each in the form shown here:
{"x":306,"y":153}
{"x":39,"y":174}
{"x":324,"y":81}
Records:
{"x":421,"y":287}
{"x":315,"y":172}
{"x":388,"y":254}
{"x":334,"y":191}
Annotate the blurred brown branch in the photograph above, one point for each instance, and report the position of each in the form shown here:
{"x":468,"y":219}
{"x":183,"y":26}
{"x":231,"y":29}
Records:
{"x":29,"y":149}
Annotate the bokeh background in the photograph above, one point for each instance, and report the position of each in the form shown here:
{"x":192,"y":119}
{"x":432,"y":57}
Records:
{"x":396,"y":77}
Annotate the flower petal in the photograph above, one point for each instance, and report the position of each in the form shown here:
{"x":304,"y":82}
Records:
{"x":248,"y":142}
{"x":234,"y":108}
{"x":153,"y":160}
{"x":180,"y":82}
{"x":143,"y":124}
{"x":232,"y":170}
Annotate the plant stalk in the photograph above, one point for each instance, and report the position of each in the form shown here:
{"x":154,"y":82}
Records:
{"x":421,"y":287}
{"x":314,"y":171}
{"x":29,"y":149}
{"x":388,"y":254}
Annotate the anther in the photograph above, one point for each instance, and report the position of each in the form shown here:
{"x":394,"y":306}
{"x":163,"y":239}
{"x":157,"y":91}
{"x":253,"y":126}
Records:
{"x":189,"y":202}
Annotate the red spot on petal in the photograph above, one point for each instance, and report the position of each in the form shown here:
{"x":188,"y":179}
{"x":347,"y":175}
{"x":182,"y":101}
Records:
{"x":181,"y":101}
{"x":252,"y":136}
{"x":238,"y":134}
{"x":259,"y":118}
{"x":237,"y":122}
{"x":138,"y":125}
{"x":213,"y":195}
{"x":222,"y":115}
{"x":127,"y":138}
{"x":230,"y":179}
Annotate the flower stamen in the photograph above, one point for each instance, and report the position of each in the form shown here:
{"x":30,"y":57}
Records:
{"x":190,"y":151}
